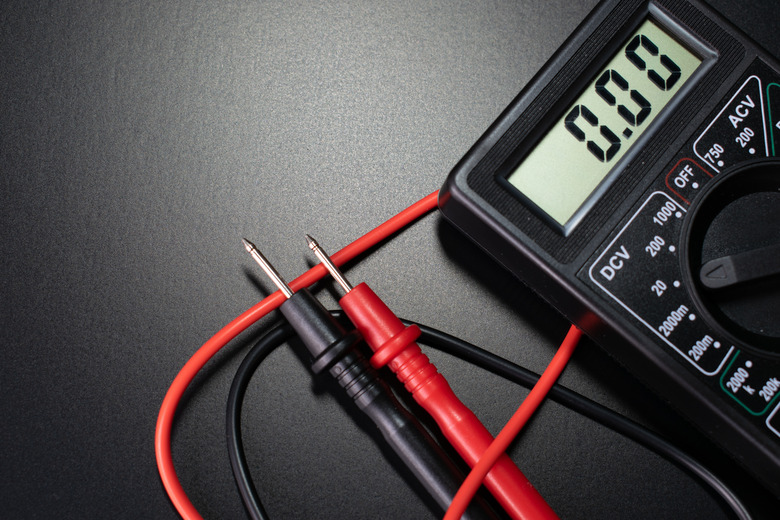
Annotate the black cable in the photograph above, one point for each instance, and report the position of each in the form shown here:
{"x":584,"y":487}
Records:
{"x":484,"y":359}
{"x":280,"y":333}
{"x":581,"y":404}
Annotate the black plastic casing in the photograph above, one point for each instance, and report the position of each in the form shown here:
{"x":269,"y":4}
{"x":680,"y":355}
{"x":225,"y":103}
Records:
{"x":551,"y":262}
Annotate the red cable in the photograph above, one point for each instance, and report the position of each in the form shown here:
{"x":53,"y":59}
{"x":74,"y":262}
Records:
{"x":513,"y":427}
{"x":162,"y":438}
{"x":394,"y":345}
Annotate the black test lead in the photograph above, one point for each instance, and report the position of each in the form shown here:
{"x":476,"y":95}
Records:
{"x":333,"y":349}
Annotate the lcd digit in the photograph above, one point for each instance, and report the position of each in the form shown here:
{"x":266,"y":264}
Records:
{"x":576,"y":156}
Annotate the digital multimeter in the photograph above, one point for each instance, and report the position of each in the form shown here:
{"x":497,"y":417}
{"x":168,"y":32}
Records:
{"x":633,"y":185}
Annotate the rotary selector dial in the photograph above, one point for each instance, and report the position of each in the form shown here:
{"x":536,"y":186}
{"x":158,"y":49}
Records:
{"x":731,"y":255}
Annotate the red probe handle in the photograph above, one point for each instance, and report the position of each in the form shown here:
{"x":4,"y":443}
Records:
{"x":393,"y":344}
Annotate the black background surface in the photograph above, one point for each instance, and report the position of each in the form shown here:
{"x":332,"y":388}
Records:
{"x":139,"y":141}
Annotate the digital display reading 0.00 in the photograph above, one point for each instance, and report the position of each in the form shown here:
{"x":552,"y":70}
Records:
{"x":569,"y":163}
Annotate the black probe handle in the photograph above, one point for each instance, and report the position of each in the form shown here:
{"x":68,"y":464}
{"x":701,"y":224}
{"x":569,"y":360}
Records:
{"x":333,"y":349}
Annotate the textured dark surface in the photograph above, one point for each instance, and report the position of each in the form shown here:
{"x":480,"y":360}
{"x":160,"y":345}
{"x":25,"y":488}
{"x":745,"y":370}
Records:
{"x":139,"y":141}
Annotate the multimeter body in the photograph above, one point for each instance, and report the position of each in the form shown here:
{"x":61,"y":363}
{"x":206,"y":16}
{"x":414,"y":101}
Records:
{"x":649,"y":256}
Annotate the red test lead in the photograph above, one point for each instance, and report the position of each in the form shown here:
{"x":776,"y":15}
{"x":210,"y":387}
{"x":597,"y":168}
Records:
{"x":394,"y":345}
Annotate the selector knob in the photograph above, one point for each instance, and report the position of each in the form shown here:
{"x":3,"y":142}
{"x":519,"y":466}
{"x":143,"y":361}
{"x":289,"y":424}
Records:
{"x":731,"y":255}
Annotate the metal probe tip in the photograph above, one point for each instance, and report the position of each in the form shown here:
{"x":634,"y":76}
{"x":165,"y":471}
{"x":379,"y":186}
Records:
{"x":272,"y":273}
{"x":325,"y":260}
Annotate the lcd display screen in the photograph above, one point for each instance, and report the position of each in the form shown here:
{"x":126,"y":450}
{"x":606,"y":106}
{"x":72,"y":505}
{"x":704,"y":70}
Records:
{"x":567,"y":166}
